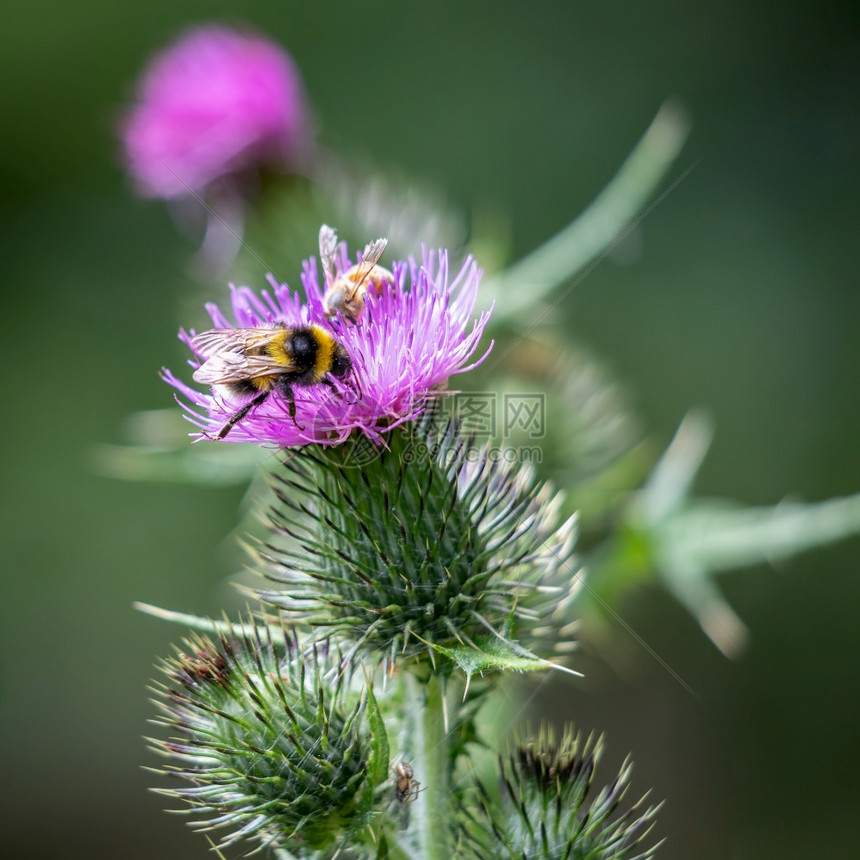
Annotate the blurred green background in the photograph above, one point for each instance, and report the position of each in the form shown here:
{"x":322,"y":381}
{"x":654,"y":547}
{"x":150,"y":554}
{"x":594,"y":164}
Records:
{"x":737,"y":293}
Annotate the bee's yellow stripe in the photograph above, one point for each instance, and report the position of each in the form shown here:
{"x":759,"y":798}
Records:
{"x":276,"y":348}
{"x":325,"y":351}
{"x":264,"y":383}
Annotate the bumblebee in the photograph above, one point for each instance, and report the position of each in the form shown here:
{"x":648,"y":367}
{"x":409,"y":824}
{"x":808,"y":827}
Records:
{"x":345,"y":291}
{"x":405,"y":787}
{"x":258,"y":361}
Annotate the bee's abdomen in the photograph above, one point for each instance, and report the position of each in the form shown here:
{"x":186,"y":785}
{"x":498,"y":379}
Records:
{"x":246,"y":387}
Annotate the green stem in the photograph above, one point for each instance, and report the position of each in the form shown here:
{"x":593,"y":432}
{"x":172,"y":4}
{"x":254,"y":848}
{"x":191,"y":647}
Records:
{"x":431,"y":766}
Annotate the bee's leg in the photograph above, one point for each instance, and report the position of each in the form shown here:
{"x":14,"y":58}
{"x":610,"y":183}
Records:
{"x":358,"y":386}
{"x":291,"y":402}
{"x":236,"y":417}
{"x":329,"y":384}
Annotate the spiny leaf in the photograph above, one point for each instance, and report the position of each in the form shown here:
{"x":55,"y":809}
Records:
{"x":495,"y":654}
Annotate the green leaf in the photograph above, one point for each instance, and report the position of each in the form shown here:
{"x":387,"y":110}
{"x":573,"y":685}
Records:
{"x":377,"y":773}
{"x":210,"y":625}
{"x":723,"y":537}
{"x":390,"y":848}
{"x":672,"y":478}
{"x":377,"y":767}
{"x":684,"y":541}
{"x":496,"y":654}
{"x":382,"y":850}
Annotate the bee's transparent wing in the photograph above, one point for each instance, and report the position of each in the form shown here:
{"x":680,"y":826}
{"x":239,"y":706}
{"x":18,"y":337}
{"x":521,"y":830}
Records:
{"x":373,"y":252}
{"x":328,"y":252}
{"x":217,"y":340}
{"x":227,"y":367}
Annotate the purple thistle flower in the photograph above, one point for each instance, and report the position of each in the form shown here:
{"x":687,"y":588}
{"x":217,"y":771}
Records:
{"x":216,"y":102}
{"x":408,"y":342}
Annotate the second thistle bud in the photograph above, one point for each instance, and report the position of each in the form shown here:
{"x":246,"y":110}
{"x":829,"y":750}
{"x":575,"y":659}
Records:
{"x":270,"y":749}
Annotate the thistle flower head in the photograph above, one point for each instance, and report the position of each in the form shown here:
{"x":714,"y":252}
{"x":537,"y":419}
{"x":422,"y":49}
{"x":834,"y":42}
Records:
{"x":545,"y":814}
{"x":414,"y":335}
{"x":216,"y":102}
{"x":428,"y":548}
{"x":265,"y":737}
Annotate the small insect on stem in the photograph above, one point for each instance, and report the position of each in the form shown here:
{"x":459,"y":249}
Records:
{"x":405,"y":787}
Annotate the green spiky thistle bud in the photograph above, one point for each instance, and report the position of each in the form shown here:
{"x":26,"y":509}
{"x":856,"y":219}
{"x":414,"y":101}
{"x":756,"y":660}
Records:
{"x":266,"y":735}
{"x":544,"y":814}
{"x":427,"y":547}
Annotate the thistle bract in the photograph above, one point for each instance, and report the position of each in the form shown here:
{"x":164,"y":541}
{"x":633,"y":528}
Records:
{"x":216,"y":102}
{"x":265,"y":737}
{"x":423,"y":547}
{"x":409,"y":341}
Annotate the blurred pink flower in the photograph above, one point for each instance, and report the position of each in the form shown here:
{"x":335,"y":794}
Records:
{"x":408,"y":342}
{"x":216,"y":102}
